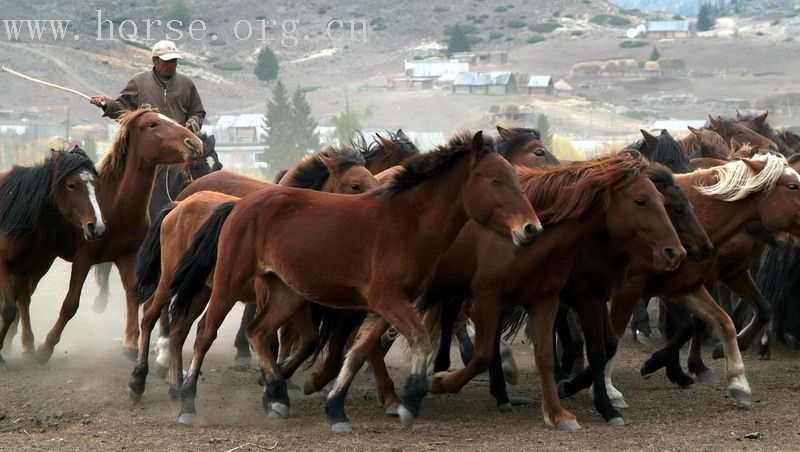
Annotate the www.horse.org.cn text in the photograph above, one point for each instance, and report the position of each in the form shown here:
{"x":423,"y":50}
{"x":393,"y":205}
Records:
{"x":286,"y":33}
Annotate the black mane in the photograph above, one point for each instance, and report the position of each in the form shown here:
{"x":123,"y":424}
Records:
{"x":26,"y":192}
{"x":376,"y":150}
{"x":312,"y":173}
{"x":521,"y":137}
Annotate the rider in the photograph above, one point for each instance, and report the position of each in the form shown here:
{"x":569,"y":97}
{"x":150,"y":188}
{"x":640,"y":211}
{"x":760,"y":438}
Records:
{"x":174,"y":94}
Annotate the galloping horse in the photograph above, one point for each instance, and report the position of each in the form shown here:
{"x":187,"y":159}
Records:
{"x":170,"y":180}
{"x":172,"y":234}
{"x":423,"y":207}
{"x":40,"y":207}
{"x":144,"y":140}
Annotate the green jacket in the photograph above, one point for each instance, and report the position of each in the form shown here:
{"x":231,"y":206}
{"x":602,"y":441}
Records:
{"x":177,"y":98}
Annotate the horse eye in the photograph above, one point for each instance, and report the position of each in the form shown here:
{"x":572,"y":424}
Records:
{"x":153,"y":125}
{"x":792,"y":186}
{"x":496,"y":182}
{"x":679,"y":210}
{"x":641,"y":202}
{"x":71,"y":186}
{"x":355,"y":187}
{"x":539,"y":153}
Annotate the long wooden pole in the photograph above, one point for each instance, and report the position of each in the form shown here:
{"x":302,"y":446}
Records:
{"x":42,"y":82}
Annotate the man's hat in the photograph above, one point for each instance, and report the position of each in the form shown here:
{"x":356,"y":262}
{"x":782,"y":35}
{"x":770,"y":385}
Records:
{"x":166,"y":50}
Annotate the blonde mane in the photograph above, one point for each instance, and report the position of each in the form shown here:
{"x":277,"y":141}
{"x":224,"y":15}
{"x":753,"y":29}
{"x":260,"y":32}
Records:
{"x":113,"y":164}
{"x":736,"y":180}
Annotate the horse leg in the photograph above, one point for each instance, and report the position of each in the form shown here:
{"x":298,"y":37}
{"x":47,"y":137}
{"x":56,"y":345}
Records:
{"x":26,"y":331}
{"x":695,"y":362}
{"x":466,"y":349}
{"x":702,"y":305}
{"x":102,"y":273}
{"x":80,"y":268}
{"x":8,"y":305}
{"x":497,"y":379}
{"x":326,"y":370}
{"x":162,"y":343}
{"x":241,"y":344}
{"x":682,"y":326}
{"x":571,"y":344}
{"x":307,"y":338}
{"x":743,"y":285}
{"x":447,"y":322}
{"x":178,"y":332}
{"x":126,"y":265}
{"x":384,"y":386}
{"x":152,"y":311}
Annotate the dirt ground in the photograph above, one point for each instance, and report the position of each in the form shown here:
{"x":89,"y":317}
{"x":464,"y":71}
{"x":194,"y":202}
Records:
{"x":78,"y":401}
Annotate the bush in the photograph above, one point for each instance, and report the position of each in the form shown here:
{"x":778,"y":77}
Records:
{"x":609,"y":19}
{"x":379,"y":27}
{"x":440,"y":9}
{"x":632,"y":44}
{"x":228,"y":66}
{"x":535,"y":39}
{"x":500,"y":9}
{"x":466,"y":29}
{"x":267,"y":65}
{"x":217,"y":42}
{"x":495,"y":35}
{"x":515,"y":24}
{"x":543,"y":28}
{"x":576,"y":33}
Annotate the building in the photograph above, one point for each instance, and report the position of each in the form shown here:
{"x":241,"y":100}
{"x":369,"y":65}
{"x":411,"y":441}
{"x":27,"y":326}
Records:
{"x":676,"y":126}
{"x":485,"y":83}
{"x":668,"y":29}
{"x":434,"y":69}
{"x":540,"y":84}
{"x":482,"y":57}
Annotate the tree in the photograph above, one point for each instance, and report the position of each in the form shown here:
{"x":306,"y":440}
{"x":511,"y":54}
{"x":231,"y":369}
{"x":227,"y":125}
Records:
{"x":545,"y":134}
{"x":458,"y":41}
{"x":267,"y":65}
{"x":179,"y":11}
{"x":705,"y":21}
{"x":655,"y":55}
{"x":306,"y":138}
{"x":279,"y":146}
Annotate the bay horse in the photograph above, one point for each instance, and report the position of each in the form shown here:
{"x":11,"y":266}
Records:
{"x":758,"y":123}
{"x":426,"y":204}
{"x":170,"y":180}
{"x":40,"y":206}
{"x":174,"y":230}
{"x":612,"y":196}
{"x":737,"y":133}
{"x":384,"y":153}
{"x":144,"y":140}
{"x":704,"y":143}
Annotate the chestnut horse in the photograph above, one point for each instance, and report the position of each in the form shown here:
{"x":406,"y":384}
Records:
{"x":172,"y":234}
{"x":607,"y":196}
{"x":144,"y":140}
{"x":40,"y":206}
{"x":423,"y":207}
{"x":704,"y":143}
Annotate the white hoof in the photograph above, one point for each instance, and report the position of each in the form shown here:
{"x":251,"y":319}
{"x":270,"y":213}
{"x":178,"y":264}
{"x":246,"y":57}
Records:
{"x":279,"y":409}
{"x":742,"y":398}
{"x":162,"y":351}
{"x":504,"y":407}
{"x":187,"y":418}
{"x":616,"y":422}
{"x":393,"y":409}
{"x":568,"y":425}
{"x":406,"y":418}
{"x":619,"y":404}
{"x":341,"y":427}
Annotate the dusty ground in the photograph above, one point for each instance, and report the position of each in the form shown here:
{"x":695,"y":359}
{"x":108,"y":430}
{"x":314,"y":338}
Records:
{"x":78,"y":402}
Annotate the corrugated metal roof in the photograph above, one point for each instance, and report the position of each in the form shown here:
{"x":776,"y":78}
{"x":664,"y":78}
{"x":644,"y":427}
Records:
{"x":668,"y":25}
{"x":482,"y":78}
{"x":435,"y":68}
{"x":539,"y":81}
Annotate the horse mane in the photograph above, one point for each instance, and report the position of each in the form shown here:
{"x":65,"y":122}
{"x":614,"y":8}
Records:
{"x":312,"y":172}
{"x":113,"y":164}
{"x":25,"y":192}
{"x":736,"y":180}
{"x":566,"y":192}
{"x":376,"y":150}
{"x":521,"y":137}
{"x":709,"y":138}
{"x":660,"y":176}
{"x":423,"y":166}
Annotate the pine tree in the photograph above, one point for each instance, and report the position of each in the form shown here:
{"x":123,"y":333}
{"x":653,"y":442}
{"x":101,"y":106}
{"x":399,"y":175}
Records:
{"x":267,"y":65}
{"x":280,"y":151}
{"x":306,"y":138}
{"x":655,"y":54}
{"x":458,"y":40}
{"x":705,"y":21}
{"x":545,"y":134}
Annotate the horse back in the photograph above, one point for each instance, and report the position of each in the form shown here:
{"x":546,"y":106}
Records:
{"x":224,"y":182}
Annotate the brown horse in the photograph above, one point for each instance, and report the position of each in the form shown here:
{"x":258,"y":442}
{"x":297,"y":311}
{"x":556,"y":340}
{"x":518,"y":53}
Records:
{"x":726,"y":198}
{"x":704,"y":143}
{"x":330,"y":170}
{"x":423,"y":209}
{"x":576,"y":202}
{"x":144,"y":140}
{"x":40,"y":206}
{"x":737,"y":134}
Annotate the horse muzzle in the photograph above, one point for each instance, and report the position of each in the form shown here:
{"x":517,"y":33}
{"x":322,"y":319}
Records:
{"x":526,"y":234}
{"x":195,"y":147}
{"x":668,"y":258}
{"x":93,"y":231}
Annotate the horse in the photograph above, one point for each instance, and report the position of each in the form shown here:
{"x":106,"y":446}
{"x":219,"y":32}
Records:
{"x":40,"y":206}
{"x":173,"y":231}
{"x":737,"y":133}
{"x":170,"y":180}
{"x":383,"y":153}
{"x":426,"y":203}
{"x":144,"y":140}
{"x":663,"y":149}
{"x":704,"y":143}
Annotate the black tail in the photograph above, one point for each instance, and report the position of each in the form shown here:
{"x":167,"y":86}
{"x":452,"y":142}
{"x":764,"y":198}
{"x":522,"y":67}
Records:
{"x":334,"y":323}
{"x":148,"y":260}
{"x":197,"y":262}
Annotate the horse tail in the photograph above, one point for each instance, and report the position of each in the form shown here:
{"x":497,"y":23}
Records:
{"x":513,"y":320}
{"x":430,"y":307}
{"x":148,"y":259}
{"x":197,"y":262}
{"x":333,"y":323}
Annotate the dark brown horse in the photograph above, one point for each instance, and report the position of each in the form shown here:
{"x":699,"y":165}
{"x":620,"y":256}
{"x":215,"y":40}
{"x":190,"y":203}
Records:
{"x":736,"y":133}
{"x":704,"y":143}
{"x":330,"y":170}
{"x":145,"y":139}
{"x":39,"y":207}
{"x":426,"y":204}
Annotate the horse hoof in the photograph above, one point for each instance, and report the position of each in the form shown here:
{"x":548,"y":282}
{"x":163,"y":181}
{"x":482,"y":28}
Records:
{"x":291,"y":386}
{"x":521,"y":401}
{"x":619,"y":404}
{"x":187,"y":418}
{"x":393,"y":410}
{"x":134,"y":395}
{"x":504,"y":407}
{"x":43,"y":356}
{"x":308,"y":387}
{"x":99,"y":305}
{"x":569,"y":425}
{"x":278,"y":409}
{"x":130,"y":353}
{"x":341,"y":427}
{"x":27,"y":356}
{"x":707,"y":377}
{"x":616,"y":422}
{"x":406,"y":418}
{"x":742,"y":398}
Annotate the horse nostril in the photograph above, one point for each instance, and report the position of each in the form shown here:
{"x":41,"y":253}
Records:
{"x":671,"y":254}
{"x":707,"y":249}
{"x":530,"y":230}
{"x":90,"y":227}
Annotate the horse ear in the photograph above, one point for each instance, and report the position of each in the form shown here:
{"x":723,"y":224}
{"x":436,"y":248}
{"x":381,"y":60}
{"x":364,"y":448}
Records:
{"x":328,"y":162}
{"x":649,"y":138}
{"x":755,"y":165}
{"x":477,"y":144}
{"x":739,"y":116}
{"x":505,"y":133}
{"x":693,"y":130}
{"x":761,"y":119}
{"x":400,"y":134}
{"x":715,"y":123}
{"x":665,"y":133}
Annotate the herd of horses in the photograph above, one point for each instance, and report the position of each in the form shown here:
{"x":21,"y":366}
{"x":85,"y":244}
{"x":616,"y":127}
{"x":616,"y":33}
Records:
{"x":356,"y":245}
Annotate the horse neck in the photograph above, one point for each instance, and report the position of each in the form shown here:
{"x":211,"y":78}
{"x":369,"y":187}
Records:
{"x":720,"y":219}
{"x":132,"y":189}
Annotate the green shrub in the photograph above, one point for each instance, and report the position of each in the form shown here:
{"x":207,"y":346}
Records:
{"x":228,"y":66}
{"x":217,"y":42}
{"x":515,"y":24}
{"x":495,"y":35}
{"x":534,"y":39}
{"x":632,"y":44}
{"x":576,"y":33}
{"x":440,"y":9}
{"x":500,"y":9}
{"x":609,"y":19}
{"x":543,"y":28}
